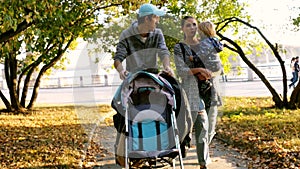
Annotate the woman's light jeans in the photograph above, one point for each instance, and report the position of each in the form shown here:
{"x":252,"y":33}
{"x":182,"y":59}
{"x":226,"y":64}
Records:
{"x":205,"y":125}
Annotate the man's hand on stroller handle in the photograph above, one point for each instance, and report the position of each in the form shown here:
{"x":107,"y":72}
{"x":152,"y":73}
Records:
{"x":123,"y":74}
{"x":167,"y":70}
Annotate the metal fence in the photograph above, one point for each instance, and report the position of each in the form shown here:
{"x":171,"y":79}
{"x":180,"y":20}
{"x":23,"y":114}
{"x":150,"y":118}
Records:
{"x":272,"y":72}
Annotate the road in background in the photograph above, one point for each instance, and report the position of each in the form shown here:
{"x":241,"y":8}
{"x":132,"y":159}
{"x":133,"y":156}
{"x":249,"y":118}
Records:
{"x":104,"y":95}
{"x":250,"y":88}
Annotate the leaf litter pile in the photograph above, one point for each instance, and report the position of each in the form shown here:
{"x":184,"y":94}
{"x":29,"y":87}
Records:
{"x":269,"y":137}
{"x":50,"y":137}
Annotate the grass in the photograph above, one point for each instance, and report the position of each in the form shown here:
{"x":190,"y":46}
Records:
{"x":252,"y":125}
{"x":59,"y":136}
{"x":48,"y":137}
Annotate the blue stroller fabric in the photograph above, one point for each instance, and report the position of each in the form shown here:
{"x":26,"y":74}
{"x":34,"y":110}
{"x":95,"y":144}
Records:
{"x":144,"y":138}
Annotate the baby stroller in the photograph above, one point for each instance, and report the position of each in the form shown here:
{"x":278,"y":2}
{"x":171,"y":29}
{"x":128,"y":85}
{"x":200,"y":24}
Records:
{"x":146,"y":121}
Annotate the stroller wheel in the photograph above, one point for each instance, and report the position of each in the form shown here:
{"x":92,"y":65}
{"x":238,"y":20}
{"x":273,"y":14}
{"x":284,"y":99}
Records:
{"x":139,"y":163}
{"x":184,"y":150}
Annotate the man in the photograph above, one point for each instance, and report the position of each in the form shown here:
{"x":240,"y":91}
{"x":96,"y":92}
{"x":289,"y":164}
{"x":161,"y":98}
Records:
{"x":141,"y":43}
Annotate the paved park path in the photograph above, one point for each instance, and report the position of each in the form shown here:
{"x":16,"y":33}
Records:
{"x":222,"y":156}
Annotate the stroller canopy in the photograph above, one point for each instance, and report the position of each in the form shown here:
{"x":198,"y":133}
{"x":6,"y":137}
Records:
{"x":143,"y":80}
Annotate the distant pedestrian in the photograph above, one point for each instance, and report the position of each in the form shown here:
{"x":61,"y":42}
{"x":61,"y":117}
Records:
{"x":295,"y":70}
{"x":105,"y":80}
{"x":224,"y":76}
{"x":292,"y":67}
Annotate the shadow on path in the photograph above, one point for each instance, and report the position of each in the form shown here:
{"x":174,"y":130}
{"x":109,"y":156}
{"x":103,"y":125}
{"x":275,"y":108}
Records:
{"x":222,"y":157}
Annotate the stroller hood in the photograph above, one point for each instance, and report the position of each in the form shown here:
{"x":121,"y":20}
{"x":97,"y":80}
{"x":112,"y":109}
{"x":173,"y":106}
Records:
{"x":138,"y":81}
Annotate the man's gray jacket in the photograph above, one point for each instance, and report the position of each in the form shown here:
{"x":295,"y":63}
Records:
{"x":141,"y":54}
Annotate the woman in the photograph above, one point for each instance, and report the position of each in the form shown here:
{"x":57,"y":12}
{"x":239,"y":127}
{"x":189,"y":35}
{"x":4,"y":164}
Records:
{"x":190,"y":73}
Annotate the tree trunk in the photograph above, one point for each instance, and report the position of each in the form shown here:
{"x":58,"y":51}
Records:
{"x":43,"y":70}
{"x":238,"y":49}
{"x":29,"y":70}
{"x":276,"y":97}
{"x":11,"y":79}
{"x":26,"y":84}
{"x":5,"y":101}
{"x":295,"y":100}
{"x":11,"y":33}
{"x":38,"y":81}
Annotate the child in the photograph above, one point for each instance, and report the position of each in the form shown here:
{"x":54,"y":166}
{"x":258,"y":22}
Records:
{"x":210,"y":47}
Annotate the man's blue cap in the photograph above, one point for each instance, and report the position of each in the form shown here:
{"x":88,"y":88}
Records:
{"x":148,"y":9}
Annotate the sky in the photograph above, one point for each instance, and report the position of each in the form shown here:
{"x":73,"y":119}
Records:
{"x":276,"y":16}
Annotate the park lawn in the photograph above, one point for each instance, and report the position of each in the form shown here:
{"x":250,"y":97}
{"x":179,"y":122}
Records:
{"x":59,"y":136}
{"x":270,"y":137}
{"x":50,"y":137}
